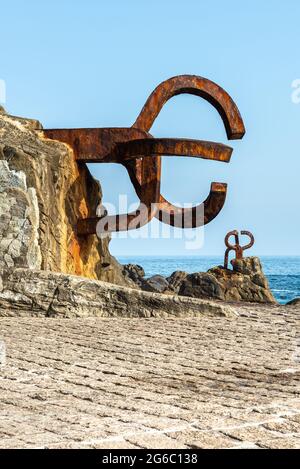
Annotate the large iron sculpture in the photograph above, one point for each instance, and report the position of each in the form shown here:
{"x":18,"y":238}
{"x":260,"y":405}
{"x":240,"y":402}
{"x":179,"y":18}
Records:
{"x":140,"y":153}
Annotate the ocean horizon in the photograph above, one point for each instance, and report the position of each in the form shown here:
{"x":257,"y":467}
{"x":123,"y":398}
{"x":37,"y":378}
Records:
{"x":282,"y":272}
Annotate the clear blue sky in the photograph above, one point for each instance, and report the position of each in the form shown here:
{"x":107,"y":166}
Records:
{"x":94,"y":63}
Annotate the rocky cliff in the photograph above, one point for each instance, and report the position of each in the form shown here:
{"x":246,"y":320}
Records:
{"x":43,"y":192}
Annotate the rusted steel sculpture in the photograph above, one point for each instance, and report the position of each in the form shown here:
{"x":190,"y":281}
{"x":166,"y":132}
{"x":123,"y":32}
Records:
{"x":140,"y":153}
{"x":237,"y":248}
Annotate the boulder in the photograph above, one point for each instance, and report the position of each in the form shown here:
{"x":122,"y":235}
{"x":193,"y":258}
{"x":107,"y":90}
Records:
{"x":202,"y":285}
{"x":156,"y":283}
{"x":134,"y":273}
{"x":175,"y":280}
{"x":43,"y":192}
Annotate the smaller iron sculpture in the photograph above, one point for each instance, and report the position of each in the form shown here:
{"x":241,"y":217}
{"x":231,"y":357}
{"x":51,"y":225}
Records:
{"x":237,"y":248}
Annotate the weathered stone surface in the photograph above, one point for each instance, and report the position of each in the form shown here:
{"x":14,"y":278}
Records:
{"x":134,"y":273}
{"x":176,"y":279}
{"x":156,"y":283}
{"x":64,"y":191}
{"x":174,"y":383}
{"x":39,"y":293}
{"x":201,"y":285}
{"x":19,"y":221}
{"x":246,"y":282}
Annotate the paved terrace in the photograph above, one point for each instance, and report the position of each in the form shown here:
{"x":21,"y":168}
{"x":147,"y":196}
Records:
{"x":152,"y":383}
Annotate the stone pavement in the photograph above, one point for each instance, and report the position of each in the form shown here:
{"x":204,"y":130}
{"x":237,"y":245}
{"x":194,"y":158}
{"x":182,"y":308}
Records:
{"x":152,"y":383}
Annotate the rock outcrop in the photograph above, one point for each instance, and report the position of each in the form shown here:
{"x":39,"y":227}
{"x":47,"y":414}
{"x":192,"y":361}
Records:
{"x":43,"y":192}
{"x":25,"y":292}
{"x":246,"y":282}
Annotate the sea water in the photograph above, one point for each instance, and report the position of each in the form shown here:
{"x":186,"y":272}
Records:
{"x":282,"y":272}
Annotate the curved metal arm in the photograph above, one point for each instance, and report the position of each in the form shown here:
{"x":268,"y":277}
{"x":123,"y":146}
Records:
{"x":199,"y":86}
{"x":236,"y":238}
{"x":149,"y":197}
{"x":173,"y":147}
{"x":220,"y":99}
{"x":250,"y":244}
{"x":198,"y":215}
